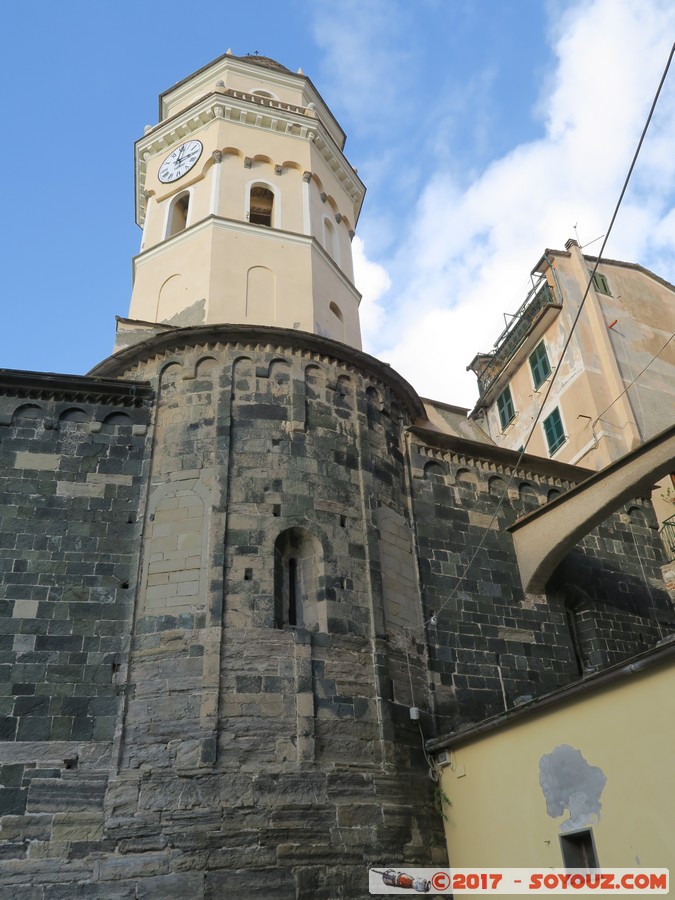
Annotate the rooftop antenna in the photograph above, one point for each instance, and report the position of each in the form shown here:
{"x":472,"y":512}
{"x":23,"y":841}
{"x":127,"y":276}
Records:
{"x":577,"y":234}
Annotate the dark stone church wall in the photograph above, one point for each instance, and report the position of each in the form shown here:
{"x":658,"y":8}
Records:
{"x":493,"y":645}
{"x":612,"y":587}
{"x":251,"y":743}
{"x":70,"y":490}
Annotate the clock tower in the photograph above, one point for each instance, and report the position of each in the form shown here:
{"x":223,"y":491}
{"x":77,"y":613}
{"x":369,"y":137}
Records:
{"x":248,"y":206}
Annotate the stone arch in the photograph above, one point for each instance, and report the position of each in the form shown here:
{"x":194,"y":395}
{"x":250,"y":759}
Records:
{"x":315,"y":380}
{"x":434,"y":471}
{"x":243,"y":379}
{"x":27,"y":411}
{"x":637,"y":516}
{"x":496,"y":486}
{"x":344,"y":392}
{"x":541,"y":545}
{"x":299,"y":598}
{"x":466,"y":476}
{"x":528,"y":494}
{"x":116,"y":420}
{"x":552,"y":494}
{"x":204,"y":366}
{"x":261,"y":300}
{"x":170,"y":372}
{"x":279,"y":377}
{"x":73,"y":414}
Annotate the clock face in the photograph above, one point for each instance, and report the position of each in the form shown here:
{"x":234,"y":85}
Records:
{"x":180,"y":161}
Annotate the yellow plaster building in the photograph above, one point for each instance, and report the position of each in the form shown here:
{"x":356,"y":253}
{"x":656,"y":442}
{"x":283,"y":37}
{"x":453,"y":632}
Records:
{"x":582,"y":776}
{"x":616,"y":385}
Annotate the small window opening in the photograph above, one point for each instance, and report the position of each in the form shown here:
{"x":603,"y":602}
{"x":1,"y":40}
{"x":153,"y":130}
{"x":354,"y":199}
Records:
{"x":298,"y":580}
{"x":179,"y":215}
{"x":115,"y":667}
{"x":343,"y":583}
{"x":343,"y":521}
{"x":505,"y":407}
{"x":601,"y":284}
{"x":70,"y":763}
{"x":131,"y":519}
{"x":292,"y":591}
{"x":539,"y":364}
{"x":248,"y":574}
{"x":337,"y":312}
{"x":262,"y":205}
{"x":276,"y":510}
{"x":554,"y":431}
{"x":578,"y":850}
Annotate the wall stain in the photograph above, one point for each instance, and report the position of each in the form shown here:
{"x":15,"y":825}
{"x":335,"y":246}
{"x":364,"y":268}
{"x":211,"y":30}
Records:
{"x":569,"y":782}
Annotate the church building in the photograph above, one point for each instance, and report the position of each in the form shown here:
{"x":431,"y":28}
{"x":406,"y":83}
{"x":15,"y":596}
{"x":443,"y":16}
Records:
{"x":247,"y":572}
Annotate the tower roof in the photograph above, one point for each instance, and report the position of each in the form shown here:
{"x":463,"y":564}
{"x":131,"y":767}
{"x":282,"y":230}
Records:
{"x":265,"y":61}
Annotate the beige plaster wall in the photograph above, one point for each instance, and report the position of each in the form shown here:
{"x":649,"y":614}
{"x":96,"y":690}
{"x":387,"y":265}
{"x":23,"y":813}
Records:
{"x":625,"y":734}
{"x":615,"y":338}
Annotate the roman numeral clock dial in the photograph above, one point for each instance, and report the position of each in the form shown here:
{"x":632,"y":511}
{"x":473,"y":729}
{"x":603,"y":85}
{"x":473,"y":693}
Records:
{"x":180,"y":161}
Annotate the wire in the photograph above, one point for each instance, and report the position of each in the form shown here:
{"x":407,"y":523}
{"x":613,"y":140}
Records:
{"x":467,"y":568}
{"x":629,"y":386}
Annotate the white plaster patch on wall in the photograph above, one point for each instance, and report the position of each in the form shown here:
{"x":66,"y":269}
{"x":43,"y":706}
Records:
{"x":569,"y":782}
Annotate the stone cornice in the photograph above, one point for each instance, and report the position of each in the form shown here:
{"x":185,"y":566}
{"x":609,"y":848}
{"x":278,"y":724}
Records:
{"x":204,"y":77}
{"x":254,"y":112}
{"x":462,"y":451}
{"x":257,"y":337}
{"x":88,"y":388}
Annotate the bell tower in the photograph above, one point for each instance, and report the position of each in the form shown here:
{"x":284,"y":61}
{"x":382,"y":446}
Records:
{"x":247,"y":204}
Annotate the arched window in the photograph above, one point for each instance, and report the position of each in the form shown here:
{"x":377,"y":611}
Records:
{"x":261,"y":205}
{"x":330,"y":239}
{"x":178,"y":215}
{"x":337,"y":312}
{"x":298,"y":580}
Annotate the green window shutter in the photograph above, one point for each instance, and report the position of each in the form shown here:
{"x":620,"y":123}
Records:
{"x":601,"y":284}
{"x":505,"y":407}
{"x":553,"y":429}
{"x":541,"y":368}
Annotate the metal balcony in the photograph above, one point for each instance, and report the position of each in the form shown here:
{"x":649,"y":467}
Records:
{"x":667,"y":532}
{"x":538,"y":301}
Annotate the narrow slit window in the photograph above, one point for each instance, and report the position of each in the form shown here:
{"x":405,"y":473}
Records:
{"x":292,"y":591}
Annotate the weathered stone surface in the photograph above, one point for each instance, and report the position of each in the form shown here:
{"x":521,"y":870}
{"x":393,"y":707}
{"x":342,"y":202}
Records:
{"x":213,"y":632}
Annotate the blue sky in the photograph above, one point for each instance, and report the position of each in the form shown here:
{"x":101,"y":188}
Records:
{"x":485,"y":131}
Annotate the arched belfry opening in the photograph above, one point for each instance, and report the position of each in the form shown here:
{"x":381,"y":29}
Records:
{"x":298,"y":580}
{"x":261,"y":205}
{"x":178,"y":215}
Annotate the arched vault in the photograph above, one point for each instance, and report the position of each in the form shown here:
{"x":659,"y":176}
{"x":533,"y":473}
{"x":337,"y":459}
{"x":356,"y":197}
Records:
{"x":544,"y":537}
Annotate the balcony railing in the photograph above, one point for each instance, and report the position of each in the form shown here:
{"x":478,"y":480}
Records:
{"x":667,"y":532}
{"x":539,"y":299}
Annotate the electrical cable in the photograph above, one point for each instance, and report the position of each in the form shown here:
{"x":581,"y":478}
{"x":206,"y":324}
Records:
{"x":467,"y":568}
{"x":629,"y":386}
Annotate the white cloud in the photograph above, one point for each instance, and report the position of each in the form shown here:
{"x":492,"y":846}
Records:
{"x":464,"y":257}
